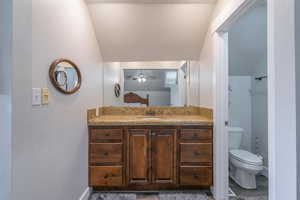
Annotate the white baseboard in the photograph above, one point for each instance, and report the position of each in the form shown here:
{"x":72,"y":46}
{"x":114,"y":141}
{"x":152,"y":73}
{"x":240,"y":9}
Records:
{"x":86,"y":194}
{"x":212,"y":190}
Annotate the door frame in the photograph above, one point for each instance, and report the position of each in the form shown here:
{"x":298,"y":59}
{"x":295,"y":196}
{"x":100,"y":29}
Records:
{"x":281,"y":97}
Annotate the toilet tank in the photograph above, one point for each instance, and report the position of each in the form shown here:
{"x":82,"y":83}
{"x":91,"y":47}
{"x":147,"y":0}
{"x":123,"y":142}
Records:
{"x":235,"y":137}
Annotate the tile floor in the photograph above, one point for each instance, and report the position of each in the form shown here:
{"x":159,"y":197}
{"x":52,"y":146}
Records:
{"x":155,"y":197}
{"x":152,"y":196}
{"x":261,"y":193}
{"x":147,"y":197}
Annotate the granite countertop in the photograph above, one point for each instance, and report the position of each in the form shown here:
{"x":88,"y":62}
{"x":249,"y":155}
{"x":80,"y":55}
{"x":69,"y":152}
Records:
{"x":129,"y":120}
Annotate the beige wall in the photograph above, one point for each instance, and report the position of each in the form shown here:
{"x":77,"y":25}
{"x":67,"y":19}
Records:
{"x":49,"y":158}
{"x":194,"y":89}
{"x":111,"y":76}
{"x":207,"y":59}
{"x":206,"y":73}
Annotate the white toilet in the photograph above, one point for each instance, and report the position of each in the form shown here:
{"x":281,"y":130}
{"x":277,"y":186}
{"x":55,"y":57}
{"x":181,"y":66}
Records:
{"x":243,"y":165}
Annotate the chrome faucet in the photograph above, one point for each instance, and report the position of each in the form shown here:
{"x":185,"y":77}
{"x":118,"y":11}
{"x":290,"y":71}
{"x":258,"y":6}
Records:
{"x":150,"y":113}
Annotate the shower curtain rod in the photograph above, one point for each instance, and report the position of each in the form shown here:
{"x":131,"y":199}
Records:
{"x":260,"y":78}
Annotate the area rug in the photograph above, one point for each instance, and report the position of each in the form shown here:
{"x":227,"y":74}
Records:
{"x":183,"y":196}
{"x":113,"y":196}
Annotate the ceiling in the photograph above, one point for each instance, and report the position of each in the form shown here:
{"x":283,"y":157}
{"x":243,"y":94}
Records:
{"x":153,"y":31}
{"x":248,"y":42}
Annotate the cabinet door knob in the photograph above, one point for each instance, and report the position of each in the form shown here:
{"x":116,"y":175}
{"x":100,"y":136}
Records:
{"x":196,"y":176}
{"x":196,"y":153}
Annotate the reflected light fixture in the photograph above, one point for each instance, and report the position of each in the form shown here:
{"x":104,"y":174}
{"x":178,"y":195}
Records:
{"x":141,"y":78}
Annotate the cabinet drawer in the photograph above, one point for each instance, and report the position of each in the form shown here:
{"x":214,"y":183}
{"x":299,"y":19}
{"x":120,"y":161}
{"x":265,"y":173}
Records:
{"x":105,"y":134}
{"x":106,"y":153}
{"x":196,"y":134}
{"x":196,"y":175}
{"x":196,"y":152}
{"x":106,"y":176}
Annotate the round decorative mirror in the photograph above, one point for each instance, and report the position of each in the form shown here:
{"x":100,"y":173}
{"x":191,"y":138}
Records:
{"x":117,"y":89}
{"x":65,"y":76}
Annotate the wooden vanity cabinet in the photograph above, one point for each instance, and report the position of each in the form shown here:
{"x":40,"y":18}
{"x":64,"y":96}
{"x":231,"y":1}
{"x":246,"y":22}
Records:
{"x":196,"y":156}
{"x":150,"y":157}
{"x":139,"y":157}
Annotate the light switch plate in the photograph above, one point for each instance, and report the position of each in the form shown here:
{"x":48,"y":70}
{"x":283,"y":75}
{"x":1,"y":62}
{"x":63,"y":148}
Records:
{"x":45,"y":96}
{"x":36,"y":96}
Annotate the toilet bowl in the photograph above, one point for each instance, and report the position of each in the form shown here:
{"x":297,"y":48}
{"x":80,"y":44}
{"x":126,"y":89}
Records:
{"x":243,"y":165}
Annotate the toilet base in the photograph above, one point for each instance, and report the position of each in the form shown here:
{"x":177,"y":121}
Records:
{"x":243,"y":178}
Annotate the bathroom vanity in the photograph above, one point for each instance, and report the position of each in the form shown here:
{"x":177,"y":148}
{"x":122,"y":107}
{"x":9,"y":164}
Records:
{"x":139,"y":152}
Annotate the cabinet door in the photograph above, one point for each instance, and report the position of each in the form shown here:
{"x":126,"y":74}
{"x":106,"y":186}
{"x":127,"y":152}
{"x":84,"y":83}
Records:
{"x":163,"y":156}
{"x":139,"y":157}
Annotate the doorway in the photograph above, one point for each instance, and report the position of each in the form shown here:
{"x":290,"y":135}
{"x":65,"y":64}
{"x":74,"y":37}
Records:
{"x":281,"y":97}
{"x":248,"y":105}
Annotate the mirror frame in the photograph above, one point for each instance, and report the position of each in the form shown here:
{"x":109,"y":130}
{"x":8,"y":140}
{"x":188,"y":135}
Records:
{"x":53,"y":80}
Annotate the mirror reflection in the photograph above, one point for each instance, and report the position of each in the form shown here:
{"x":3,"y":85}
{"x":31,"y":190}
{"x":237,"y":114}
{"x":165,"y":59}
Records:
{"x":65,"y":76}
{"x":160,"y":87}
{"x":147,"y":83}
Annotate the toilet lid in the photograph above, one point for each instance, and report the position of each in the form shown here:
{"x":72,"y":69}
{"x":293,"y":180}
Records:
{"x":246,"y":157}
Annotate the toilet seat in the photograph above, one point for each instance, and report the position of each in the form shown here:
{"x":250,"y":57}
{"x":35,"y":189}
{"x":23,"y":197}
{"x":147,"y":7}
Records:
{"x":246,"y":157}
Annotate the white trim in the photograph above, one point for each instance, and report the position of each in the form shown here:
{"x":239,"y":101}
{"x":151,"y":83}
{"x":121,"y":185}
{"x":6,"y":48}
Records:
{"x":86,"y":194}
{"x":230,"y":14}
{"x":153,"y":65}
{"x":221,"y":187}
{"x":282,"y":100}
{"x":220,"y":38}
{"x":281,"y":94}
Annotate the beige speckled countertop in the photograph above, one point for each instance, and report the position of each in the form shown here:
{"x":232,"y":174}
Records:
{"x":132,"y":120}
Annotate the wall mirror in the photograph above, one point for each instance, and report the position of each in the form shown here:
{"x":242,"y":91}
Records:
{"x":158,"y":87}
{"x":65,"y":76}
{"x":147,"y":84}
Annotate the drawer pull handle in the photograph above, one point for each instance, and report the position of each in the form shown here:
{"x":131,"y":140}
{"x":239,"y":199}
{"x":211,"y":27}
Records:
{"x":107,"y":134}
{"x":105,"y":153}
{"x":196,"y":153}
{"x":196,"y":176}
{"x":195,"y":134}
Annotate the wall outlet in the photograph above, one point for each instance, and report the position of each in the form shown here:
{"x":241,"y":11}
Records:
{"x":45,"y":96}
{"x":36,"y":96}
